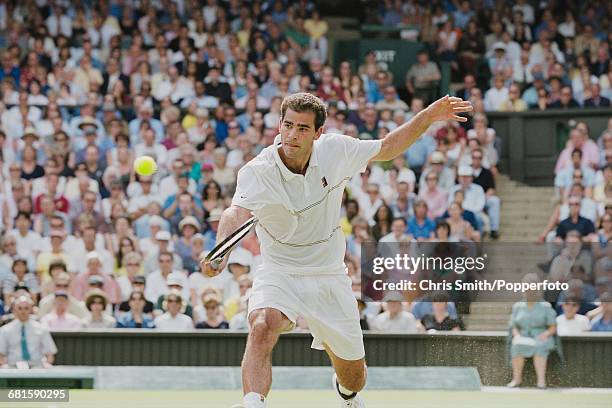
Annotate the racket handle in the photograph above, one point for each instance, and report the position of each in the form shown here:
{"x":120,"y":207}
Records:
{"x":215,"y":263}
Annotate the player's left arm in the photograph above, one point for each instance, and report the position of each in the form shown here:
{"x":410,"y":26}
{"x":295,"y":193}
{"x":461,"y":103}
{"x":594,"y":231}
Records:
{"x":400,"y":139}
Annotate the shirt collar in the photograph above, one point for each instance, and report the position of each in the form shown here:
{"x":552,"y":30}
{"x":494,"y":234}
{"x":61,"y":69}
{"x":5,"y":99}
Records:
{"x":285,"y":172}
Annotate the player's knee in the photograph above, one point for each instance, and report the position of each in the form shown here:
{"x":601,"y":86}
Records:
{"x":265,"y":327}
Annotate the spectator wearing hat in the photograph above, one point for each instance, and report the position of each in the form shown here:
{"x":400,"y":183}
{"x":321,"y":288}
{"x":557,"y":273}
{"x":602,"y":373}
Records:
{"x":20,"y":276}
{"x":135,"y":317}
{"x":213,"y":318}
{"x":199,"y":282}
{"x":175,"y":283}
{"x":394,"y":319}
{"x":213,"y":224}
{"x":239,"y":264}
{"x":94,"y":270}
{"x":157,"y":281}
{"x":25,"y":340}
{"x":499,"y":62}
{"x":90,"y":132}
{"x":474,"y":198}
{"x":163,"y":243}
{"x":173,"y":319}
{"x":187,"y":228}
{"x":31,"y":155}
{"x":97,"y":302}
{"x":59,"y":318}
{"x":437,"y":165}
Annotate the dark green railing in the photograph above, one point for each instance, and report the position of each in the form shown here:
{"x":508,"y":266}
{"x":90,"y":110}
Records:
{"x":588,"y":358}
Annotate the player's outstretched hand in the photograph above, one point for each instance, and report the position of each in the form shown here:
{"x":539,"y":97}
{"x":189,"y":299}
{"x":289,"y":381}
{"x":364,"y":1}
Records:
{"x":449,"y":108}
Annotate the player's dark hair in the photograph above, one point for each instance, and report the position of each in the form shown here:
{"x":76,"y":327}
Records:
{"x":304,"y":102}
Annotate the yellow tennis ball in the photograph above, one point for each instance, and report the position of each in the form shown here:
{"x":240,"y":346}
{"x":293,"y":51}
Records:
{"x":145,"y":166}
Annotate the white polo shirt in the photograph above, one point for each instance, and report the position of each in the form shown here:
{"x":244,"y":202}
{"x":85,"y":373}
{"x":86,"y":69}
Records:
{"x":299,"y":215}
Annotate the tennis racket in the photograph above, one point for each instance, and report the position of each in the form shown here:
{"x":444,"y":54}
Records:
{"x":215,"y":257}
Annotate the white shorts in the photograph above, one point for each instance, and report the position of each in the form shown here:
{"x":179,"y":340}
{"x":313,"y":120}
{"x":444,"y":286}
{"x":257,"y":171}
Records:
{"x":326,"y":302}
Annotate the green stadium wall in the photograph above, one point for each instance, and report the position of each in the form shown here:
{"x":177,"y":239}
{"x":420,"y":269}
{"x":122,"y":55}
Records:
{"x":588,"y":358}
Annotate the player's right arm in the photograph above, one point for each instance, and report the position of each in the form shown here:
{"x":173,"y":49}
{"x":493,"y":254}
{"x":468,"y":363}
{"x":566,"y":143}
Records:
{"x":232,"y":218}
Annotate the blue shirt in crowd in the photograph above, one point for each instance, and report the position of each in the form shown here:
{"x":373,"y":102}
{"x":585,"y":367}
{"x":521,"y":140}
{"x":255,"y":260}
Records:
{"x":421,"y":230}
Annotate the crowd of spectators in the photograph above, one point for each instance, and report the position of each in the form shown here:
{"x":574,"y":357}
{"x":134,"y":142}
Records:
{"x":511,"y":55}
{"x":579,"y":229}
{"x":197,"y":85}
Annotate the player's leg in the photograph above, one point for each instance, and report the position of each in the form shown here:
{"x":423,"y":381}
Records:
{"x":350,"y":374}
{"x":334,"y":324}
{"x":265,"y":326}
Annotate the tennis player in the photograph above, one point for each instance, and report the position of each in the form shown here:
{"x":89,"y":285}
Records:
{"x":294,"y":188}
